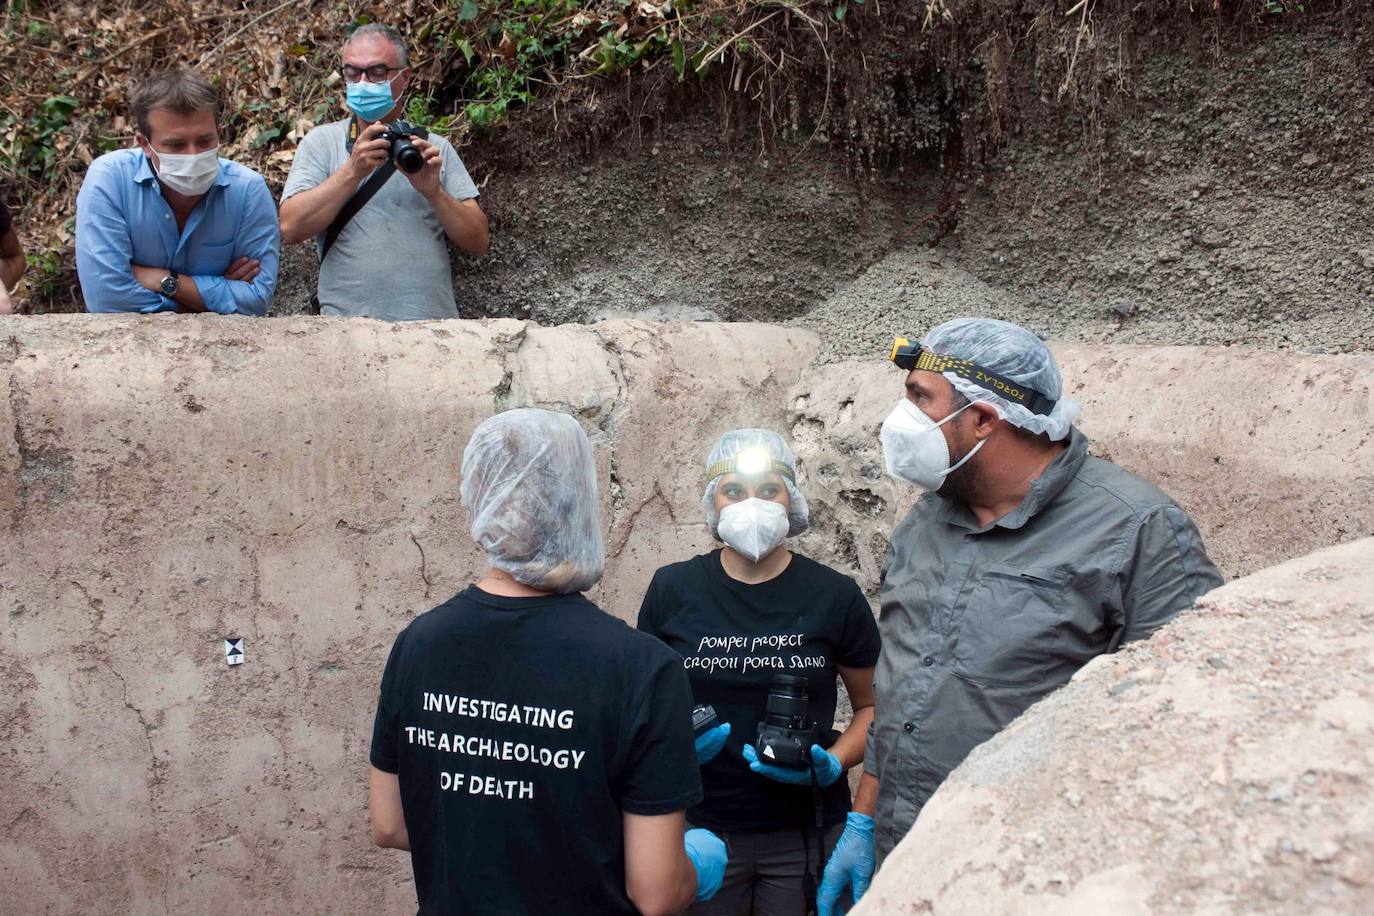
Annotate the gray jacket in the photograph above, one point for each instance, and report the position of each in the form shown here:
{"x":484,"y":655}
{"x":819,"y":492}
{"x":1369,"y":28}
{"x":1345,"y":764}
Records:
{"x":980,"y":622}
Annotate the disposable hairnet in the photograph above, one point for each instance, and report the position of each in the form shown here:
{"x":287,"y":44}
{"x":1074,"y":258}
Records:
{"x":1011,"y":351}
{"x":729,"y":447}
{"x":529,"y":484}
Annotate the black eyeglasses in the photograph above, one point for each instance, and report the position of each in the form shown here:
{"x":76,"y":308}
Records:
{"x":375,"y":74}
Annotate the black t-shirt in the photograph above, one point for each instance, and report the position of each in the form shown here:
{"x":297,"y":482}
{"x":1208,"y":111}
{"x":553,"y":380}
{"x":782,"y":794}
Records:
{"x":6,"y":220}
{"x":520,"y":729}
{"x":733,"y":639}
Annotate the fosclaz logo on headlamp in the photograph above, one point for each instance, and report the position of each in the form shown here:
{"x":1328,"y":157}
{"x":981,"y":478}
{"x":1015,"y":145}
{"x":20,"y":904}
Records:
{"x":909,"y":356}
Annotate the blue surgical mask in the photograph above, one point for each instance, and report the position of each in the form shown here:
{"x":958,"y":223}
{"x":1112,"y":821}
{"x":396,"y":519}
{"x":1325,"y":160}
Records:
{"x":370,"y":101}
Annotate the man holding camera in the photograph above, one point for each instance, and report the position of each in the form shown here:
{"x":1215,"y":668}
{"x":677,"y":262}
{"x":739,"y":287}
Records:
{"x":1025,"y":559}
{"x":380,"y":235}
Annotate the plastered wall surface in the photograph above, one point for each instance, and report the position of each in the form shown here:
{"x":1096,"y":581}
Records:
{"x":165,"y":484}
{"x":1225,"y":766}
{"x":168,"y":482}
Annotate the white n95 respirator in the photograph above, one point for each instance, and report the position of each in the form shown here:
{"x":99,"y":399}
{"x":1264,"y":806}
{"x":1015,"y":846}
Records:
{"x":915,"y":450}
{"x":753,"y":527}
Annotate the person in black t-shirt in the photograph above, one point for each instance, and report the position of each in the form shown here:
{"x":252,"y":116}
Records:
{"x":738,"y":616}
{"x":532,"y":752}
{"x":11,"y":258}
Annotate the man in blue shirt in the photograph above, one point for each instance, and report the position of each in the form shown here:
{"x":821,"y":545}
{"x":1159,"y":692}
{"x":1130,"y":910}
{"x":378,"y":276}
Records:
{"x":170,"y":226}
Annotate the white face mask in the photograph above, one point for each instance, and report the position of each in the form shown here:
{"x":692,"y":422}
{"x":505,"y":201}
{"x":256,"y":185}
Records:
{"x":753,"y":527}
{"x":191,"y":173}
{"x":914,"y":449}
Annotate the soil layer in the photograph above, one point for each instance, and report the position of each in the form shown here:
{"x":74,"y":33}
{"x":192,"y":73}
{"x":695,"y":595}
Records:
{"x":1223,"y":209}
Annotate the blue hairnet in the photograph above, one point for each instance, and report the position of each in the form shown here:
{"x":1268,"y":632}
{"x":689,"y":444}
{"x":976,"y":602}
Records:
{"x":729,"y":446}
{"x":1013,"y":352}
{"x":529,"y":483}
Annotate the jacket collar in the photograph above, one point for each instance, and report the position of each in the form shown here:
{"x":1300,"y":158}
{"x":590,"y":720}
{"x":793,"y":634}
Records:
{"x":1042,"y":492}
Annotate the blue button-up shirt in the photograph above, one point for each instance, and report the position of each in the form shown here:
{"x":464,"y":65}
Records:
{"x":122,"y":219}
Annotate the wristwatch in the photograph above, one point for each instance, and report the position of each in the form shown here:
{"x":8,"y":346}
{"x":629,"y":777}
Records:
{"x":170,"y":283}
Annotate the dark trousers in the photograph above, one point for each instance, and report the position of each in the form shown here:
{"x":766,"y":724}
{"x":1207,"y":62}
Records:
{"x":763,"y":876}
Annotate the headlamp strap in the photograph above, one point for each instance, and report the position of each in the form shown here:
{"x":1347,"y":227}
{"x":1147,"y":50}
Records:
{"x":731,"y":466}
{"x":1004,"y":387}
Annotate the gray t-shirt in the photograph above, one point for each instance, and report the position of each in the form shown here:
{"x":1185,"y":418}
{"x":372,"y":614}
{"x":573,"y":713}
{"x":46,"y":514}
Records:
{"x":391,"y":261}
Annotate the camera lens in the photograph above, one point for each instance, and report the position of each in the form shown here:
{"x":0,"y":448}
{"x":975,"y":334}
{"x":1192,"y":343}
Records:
{"x":787,"y":702}
{"x":406,"y":156}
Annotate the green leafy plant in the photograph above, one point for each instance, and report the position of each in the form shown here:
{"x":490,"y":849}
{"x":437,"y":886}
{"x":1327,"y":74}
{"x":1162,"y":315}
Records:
{"x":32,"y":149}
{"x":420,"y":110}
{"x":47,"y":271}
{"x":507,"y":51}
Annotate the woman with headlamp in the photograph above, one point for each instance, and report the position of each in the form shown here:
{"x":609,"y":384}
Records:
{"x":740,"y":616}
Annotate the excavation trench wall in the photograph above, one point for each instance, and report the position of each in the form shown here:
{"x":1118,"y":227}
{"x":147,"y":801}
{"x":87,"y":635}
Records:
{"x":1225,"y":766}
{"x":165,"y":484}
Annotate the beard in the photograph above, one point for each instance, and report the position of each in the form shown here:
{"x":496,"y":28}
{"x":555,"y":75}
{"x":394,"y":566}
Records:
{"x":965,"y":482}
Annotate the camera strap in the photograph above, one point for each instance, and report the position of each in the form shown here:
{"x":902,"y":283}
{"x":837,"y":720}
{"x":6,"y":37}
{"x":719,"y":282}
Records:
{"x":366,"y":191}
{"x":355,"y":203}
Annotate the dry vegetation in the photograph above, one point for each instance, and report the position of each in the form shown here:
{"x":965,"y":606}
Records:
{"x":880,"y":81}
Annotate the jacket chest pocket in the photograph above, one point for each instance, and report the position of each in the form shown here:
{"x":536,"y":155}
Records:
{"x":1010,"y":625}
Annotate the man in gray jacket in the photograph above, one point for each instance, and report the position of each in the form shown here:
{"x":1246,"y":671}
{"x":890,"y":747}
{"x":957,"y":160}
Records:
{"x":1025,"y":559}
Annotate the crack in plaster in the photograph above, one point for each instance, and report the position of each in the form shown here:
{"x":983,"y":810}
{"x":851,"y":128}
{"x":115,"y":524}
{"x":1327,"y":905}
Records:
{"x":609,"y":423}
{"x":97,"y":607}
{"x":629,"y":524}
{"x":154,"y":764}
{"x":509,"y":348}
{"x":155,"y":767}
{"x":424,"y":569}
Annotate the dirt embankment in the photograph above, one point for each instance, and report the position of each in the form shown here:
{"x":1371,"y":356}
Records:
{"x":674,"y":224}
{"x":1229,"y":206}
{"x":1219,"y":196}
{"x":1233,"y":207}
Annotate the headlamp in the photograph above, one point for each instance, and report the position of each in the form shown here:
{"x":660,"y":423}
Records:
{"x":904,"y":353}
{"x":752,"y":461}
{"x":911,"y":356}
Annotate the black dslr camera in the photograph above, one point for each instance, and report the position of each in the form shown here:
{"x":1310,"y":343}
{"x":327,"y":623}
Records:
{"x":403,"y":152}
{"x":786,"y":732}
{"x":703,"y":719}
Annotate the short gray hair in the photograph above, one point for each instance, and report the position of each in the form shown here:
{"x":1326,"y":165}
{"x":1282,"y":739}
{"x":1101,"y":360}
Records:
{"x":385,"y":31}
{"x":179,"y":90}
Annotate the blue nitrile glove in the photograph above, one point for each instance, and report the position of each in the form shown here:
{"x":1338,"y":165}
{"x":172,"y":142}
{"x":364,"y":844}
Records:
{"x":707,"y":852}
{"x":827,"y":767}
{"x":850,"y":865}
{"x":710,"y":742}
